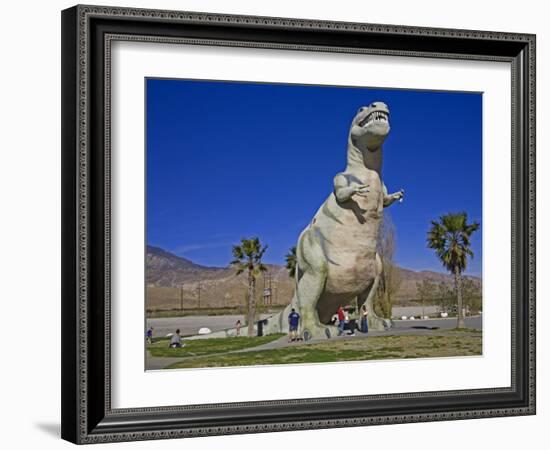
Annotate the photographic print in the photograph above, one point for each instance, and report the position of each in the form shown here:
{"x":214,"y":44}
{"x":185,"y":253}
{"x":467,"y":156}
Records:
{"x":300,"y":224}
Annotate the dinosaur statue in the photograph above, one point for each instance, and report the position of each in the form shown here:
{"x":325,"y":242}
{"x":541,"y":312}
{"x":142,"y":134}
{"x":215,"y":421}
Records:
{"x":337,"y":262}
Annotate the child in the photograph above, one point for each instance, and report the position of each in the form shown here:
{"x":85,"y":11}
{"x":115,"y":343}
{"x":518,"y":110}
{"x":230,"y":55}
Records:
{"x":238,"y":328}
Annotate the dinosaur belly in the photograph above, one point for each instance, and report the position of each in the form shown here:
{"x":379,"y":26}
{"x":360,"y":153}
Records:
{"x":351,"y":273}
{"x":351,"y":257}
{"x":345,"y":283}
{"x":351,"y":266}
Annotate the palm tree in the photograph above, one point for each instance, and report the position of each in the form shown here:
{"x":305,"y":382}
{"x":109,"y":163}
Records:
{"x":248,"y":257}
{"x":290,"y":258}
{"x":450,"y":238}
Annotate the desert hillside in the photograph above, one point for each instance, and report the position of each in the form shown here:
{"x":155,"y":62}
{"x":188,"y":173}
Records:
{"x":173,"y":281}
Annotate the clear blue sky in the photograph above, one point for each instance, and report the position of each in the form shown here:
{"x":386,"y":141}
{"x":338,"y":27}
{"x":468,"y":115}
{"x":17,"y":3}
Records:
{"x":229,"y":160}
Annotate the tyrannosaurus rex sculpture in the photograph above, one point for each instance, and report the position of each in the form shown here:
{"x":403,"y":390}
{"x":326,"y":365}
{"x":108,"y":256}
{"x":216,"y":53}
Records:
{"x":336,"y":254}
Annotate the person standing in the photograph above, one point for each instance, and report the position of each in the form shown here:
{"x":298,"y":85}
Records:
{"x":341,"y":320}
{"x":364,"y":319}
{"x":238,"y":327}
{"x":149,"y":335}
{"x":293,"y":321}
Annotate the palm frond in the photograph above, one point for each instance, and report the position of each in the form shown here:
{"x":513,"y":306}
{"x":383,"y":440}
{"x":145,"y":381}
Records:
{"x":450,"y":238}
{"x":248,"y":256}
{"x":291,"y":260}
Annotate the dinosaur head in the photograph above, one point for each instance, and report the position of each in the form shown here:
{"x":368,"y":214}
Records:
{"x":370,"y":126}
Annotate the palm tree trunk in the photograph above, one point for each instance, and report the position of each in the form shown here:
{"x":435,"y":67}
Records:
{"x":459,"y":306}
{"x":251,"y":304}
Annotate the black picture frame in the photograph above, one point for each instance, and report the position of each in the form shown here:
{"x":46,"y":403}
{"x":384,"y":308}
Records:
{"x":87,"y":32}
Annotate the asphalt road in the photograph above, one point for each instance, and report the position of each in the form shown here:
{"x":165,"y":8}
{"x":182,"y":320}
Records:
{"x":190,"y":325}
{"x":474,"y":322}
{"x":398,"y":311}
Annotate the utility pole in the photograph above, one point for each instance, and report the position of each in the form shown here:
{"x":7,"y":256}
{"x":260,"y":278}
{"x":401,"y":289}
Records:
{"x":181,"y":297}
{"x":267,"y":293}
{"x":423,"y":311}
{"x":270,"y":291}
{"x":199,"y":293}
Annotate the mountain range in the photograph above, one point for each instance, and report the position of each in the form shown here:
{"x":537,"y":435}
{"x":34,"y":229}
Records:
{"x":172,"y":280}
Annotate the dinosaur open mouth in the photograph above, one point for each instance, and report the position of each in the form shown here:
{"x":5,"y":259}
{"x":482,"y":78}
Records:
{"x":375,"y":116}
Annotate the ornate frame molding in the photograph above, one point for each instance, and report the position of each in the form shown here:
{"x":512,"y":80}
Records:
{"x":84,"y":421}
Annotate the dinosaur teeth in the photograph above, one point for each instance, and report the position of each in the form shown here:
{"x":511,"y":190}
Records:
{"x":379,"y":116}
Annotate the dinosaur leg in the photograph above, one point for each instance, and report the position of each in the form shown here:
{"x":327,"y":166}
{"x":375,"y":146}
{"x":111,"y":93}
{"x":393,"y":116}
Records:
{"x":367,"y":297}
{"x":309,"y":291}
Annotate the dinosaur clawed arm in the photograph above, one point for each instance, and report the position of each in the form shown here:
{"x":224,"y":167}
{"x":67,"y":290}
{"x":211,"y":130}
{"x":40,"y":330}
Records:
{"x":344,"y":190}
{"x":389,"y":199}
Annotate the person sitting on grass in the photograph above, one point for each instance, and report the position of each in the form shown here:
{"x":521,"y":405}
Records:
{"x":175,"y":340}
{"x":293,"y":321}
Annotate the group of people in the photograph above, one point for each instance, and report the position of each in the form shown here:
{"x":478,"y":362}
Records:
{"x":348,"y":318}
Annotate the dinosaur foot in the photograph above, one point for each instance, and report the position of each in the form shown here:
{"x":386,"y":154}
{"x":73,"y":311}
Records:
{"x":379,"y":324}
{"x":318,"y":332}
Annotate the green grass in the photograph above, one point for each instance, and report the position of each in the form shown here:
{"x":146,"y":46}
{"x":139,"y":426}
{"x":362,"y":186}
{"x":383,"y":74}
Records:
{"x":463,"y":330}
{"x":375,"y":348}
{"x":201,"y":347}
